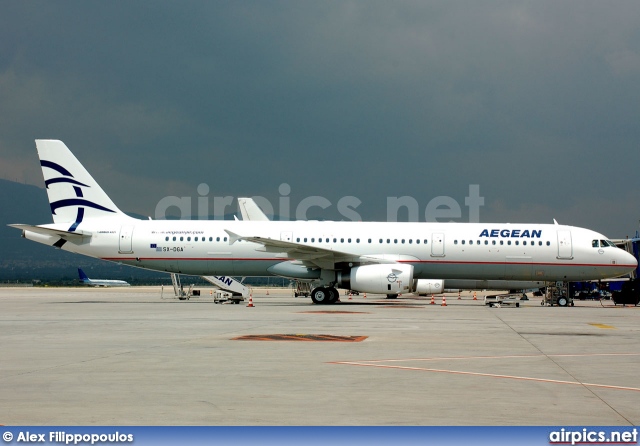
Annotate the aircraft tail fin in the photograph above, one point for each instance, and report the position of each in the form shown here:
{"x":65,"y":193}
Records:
{"x":74,"y":196}
{"x":83,"y":276}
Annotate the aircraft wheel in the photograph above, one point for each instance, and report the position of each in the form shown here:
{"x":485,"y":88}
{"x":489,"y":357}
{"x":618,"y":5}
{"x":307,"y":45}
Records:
{"x":333,"y":295}
{"x":392,"y":296}
{"x":562,"y":301}
{"x":320,"y":295}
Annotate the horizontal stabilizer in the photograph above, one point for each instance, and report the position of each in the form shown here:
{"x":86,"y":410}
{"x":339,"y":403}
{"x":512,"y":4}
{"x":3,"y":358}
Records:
{"x":66,"y":235}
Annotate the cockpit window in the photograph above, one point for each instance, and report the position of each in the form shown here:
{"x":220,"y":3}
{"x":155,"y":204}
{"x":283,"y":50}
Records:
{"x":602,"y":243}
{"x":595,"y":244}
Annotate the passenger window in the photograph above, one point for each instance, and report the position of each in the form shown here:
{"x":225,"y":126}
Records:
{"x":478,"y":242}
{"x":493,"y":242}
{"x":517,"y":242}
{"x":402,"y":241}
{"x":341,"y":240}
{"x":210,"y":239}
{"x":463,"y":242}
{"x":502,"y":242}
{"x":166,"y":239}
{"x":417,"y":241}
{"x":225,"y":239}
{"x":174,"y":239}
{"x":540,"y":243}
{"x":181,"y":239}
{"x":196,"y":239}
{"x":357,"y":240}
{"x":305,"y":240}
{"x":326,"y":240}
{"x":425,"y":241}
{"x":486,"y":242}
{"x":410,"y":241}
{"x":298,"y":239}
{"x":369,"y":240}
{"x":455,"y":242}
{"x":188,"y":239}
{"x":548,"y":243}
{"x":348,"y":240}
{"x":524,"y":243}
{"x":395,"y":240}
{"x":388,"y":240}
{"x":380,"y":240}
{"x":335,"y":240}
{"x":509,"y":242}
{"x":471,"y":242}
{"x":217,"y":239}
{"x":313,"y":239}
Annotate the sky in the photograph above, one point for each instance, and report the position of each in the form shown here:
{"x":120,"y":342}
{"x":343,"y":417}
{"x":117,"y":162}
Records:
{"x":537,"y":103}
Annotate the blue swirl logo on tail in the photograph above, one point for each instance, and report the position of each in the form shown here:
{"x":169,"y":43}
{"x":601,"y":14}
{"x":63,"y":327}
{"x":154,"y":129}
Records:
{"x":78,"y":201}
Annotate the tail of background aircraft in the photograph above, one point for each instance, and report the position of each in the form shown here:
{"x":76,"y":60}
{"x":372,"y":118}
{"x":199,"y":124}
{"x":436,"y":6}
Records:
{"x":74,"y":195}
{"x":83,"y":276}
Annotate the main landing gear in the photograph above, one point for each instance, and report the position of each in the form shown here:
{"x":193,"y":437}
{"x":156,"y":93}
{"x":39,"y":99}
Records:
{"x":322,"y":295}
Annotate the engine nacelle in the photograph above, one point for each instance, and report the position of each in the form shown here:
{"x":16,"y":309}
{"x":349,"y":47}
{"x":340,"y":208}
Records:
{"x":428,"y":286}
{"x":382,"y":279}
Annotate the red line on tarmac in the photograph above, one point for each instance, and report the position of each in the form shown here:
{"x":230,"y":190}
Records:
{"x":446,"y":358}
{"x":490,"y":375}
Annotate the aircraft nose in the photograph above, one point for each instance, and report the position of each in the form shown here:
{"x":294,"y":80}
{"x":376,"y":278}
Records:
{"x":629,"y":259}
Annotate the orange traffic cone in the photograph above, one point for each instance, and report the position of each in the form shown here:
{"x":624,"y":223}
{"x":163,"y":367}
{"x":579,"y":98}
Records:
{"x":267,"y":292}
{"x":251,"y":301}
{"x":459,"y":298}
{"x":365,"y":295}
{"x":444,"y":301}
{"x":210,"y":292}
{"x":350,"y":296}
{"x":475,"y":297}
{"x":433,"y":300}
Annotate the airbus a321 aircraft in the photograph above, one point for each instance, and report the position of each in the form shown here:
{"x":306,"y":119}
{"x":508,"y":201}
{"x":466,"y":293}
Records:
{"x":373,"y":257}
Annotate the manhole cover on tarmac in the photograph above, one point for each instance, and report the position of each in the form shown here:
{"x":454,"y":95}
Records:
{"x":301,"y":337}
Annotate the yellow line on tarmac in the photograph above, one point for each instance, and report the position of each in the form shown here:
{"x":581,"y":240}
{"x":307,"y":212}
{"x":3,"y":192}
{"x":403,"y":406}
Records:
{"x":604,"y":326}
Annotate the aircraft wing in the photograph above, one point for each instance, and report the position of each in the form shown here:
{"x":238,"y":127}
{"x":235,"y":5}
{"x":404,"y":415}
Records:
{"x":66,"y":235}
{"x":310,"y":255}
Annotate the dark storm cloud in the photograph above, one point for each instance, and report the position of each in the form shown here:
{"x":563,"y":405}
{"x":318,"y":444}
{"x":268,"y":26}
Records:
{"x":537,"y":102}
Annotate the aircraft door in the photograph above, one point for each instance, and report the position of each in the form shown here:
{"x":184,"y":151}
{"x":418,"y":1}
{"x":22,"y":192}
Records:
{"x":437,"y":245}
{"x":126,"y":239}
{"x":565,"y":250}
{"x":286,"y":236}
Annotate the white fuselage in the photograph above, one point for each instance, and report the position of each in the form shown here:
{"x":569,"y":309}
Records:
{"x":480,"y":251}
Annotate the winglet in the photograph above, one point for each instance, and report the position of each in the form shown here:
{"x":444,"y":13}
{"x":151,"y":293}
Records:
{"x":233,"y":237}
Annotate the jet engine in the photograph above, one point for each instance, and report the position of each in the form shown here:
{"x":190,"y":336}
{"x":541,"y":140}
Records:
{"x":428,"y":286}
{"x":382,"y":279}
